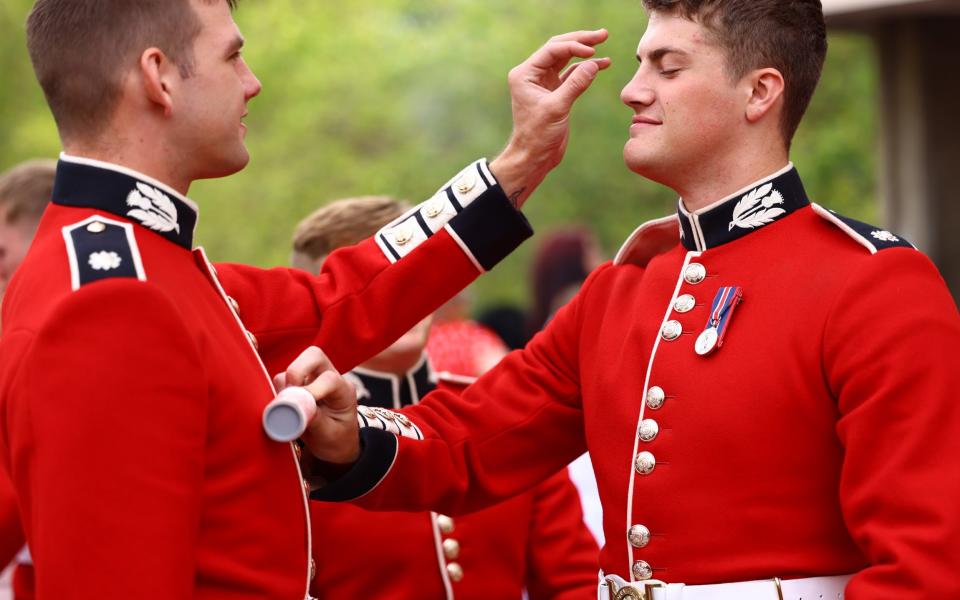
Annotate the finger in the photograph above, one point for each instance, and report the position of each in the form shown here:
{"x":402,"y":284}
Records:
{"x":307,"y":366}
{"x":603,"y":63}
{"x":587,"y":36}
{"x":334,"y":392}
{"x":555,"y":55}
{"x":279,"y":381}
{"x":577,"y":83}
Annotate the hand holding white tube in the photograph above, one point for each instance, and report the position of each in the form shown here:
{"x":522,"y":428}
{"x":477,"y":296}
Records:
{"x":322,"y":410}
{"x":287,"y":416}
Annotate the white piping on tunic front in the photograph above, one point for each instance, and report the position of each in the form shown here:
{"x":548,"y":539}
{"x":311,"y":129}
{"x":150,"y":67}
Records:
{"x":643,"y":404}
{"x":296,"y":461}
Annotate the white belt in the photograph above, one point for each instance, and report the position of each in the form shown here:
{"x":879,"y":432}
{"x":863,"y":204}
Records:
{"x":612,"y":587}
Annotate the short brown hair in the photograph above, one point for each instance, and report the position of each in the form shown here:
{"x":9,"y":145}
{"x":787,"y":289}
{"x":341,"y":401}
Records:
{"x":343,"y":223}
{"x":788,"y":35}
{"x":26,"y":189}
{"x":82,"y":49}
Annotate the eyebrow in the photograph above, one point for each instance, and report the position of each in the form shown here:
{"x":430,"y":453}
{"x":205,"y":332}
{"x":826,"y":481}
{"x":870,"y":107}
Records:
{"x":658,"y":54}
{"x":235,"y":44}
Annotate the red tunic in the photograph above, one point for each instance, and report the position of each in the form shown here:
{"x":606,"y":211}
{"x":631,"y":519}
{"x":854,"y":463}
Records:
{"x":132,"y":386}
{"x":821,"y":438}
{"x":535,"y":540}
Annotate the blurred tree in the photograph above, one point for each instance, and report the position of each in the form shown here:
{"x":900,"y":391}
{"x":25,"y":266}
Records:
{"x":393,"y":96}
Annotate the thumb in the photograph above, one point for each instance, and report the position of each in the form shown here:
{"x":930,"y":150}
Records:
{"x":578,"y":79}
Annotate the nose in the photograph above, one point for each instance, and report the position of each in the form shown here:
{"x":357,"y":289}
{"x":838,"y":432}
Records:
{"x":637,"y":92}
{"x":251,"y":85}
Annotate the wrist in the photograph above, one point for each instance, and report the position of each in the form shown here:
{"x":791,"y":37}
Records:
{"x":518,"y":172}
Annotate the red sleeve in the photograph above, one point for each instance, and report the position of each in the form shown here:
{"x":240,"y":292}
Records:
{"x":562,"y":555}
{"x":11,"y":534}
{"x":116,"y":482}
{"x":892,"y":358}
{"x":358,"y":305}
{"x":529,"y":402}
{"x":368,"y":295}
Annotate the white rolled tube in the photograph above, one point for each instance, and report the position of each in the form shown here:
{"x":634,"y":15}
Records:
{"x":286,"y":417}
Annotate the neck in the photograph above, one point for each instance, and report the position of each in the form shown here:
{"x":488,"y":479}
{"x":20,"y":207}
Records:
{"x":703,"y":186}
{"x":394,"y":363}
{"x":133,"y":152}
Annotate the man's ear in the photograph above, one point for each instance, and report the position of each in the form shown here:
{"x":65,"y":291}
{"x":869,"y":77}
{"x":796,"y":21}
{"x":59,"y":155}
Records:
{"x":766,"y":88}
{"x":159,"y":76}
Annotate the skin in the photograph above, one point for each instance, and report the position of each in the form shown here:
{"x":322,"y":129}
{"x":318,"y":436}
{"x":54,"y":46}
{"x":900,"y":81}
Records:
{"x":695,"y":129}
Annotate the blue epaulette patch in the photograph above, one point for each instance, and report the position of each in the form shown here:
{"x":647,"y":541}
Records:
{"x":100,"y":248}
{"x":869,"y":236}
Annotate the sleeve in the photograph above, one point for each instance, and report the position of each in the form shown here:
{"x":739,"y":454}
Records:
{"x":114,"y":387}
{"x":368,"y":295}
{"x":518,"y":424}
{"x":11,"y":534}
{"x":892,"y":358}
{"x":562,"y":561}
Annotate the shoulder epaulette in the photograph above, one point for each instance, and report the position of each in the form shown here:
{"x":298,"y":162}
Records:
{"x":650,"y":239}
{"x":871,"y":237}
{"x":100,"y":248}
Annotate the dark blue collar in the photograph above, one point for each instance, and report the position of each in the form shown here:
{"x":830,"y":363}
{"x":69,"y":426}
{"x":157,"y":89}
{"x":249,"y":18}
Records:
{"x":387,"y":390}
{"x":87,"y":183}
{"x":739,"y":214}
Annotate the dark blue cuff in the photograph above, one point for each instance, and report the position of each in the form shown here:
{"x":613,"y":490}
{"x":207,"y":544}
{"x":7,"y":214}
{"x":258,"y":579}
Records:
{"x":490,"y":227}
{"x":378,"y":449}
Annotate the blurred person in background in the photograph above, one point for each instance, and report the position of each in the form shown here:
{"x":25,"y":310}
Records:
{"x":562,"y":261}
{"x":460,"y":344}
{"x":534,"y":541}
{"x":25,"y":192}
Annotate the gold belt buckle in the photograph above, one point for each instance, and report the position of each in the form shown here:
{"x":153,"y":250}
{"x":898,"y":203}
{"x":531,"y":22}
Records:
{"x":632,"y":593}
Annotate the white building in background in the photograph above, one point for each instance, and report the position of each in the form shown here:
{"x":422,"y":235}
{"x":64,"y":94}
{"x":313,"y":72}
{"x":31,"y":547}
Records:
{"x":918,"y":49}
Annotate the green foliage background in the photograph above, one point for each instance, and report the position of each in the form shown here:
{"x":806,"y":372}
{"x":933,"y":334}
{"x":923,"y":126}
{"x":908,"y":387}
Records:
{"x":395,"y":96}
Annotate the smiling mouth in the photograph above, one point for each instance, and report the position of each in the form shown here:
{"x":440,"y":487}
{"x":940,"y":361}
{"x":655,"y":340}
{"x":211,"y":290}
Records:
{"x":641,"y":120}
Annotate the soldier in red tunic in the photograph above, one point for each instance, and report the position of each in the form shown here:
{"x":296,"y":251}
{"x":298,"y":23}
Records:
{"x":768,"y":390}
{"x":535,"y":540}
{"x":134,"y":373}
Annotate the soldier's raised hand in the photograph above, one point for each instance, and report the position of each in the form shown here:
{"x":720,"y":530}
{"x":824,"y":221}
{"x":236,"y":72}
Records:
{"x":543,"y":91}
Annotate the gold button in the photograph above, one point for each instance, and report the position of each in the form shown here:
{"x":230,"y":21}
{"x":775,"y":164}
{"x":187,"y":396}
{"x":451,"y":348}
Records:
{"x":434,"y":207}
{"x":655,"y":397}
{"x":233,"y":304}
{"x":671,"y":330}
{"x":96,"y":227}
{"x":695,"y":273}
{"x":445,"y":524}
{"x":402,"y":419}
{"x":253,"y":340}
{"x":455,"y":571}
{"x":313,"y":569}
{"x":645,"y":463}
{"x":306,"y":487}
{"x":639,"y":536}
{"x":642,"y":570}
{"x":368,"y":412}
{"x":648,"y":430}
{"x":684,"y":303}
{"x":451,"y":548}
{"x":403,"y":233}
{"x":467,"y":183}
{"x":386,"y":414}
{"x":297,"y":450}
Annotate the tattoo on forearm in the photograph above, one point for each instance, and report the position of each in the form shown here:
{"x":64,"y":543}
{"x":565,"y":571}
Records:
{"x":515,"y":197}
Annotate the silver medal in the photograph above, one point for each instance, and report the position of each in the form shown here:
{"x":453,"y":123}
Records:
{"x":706,"y":341}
